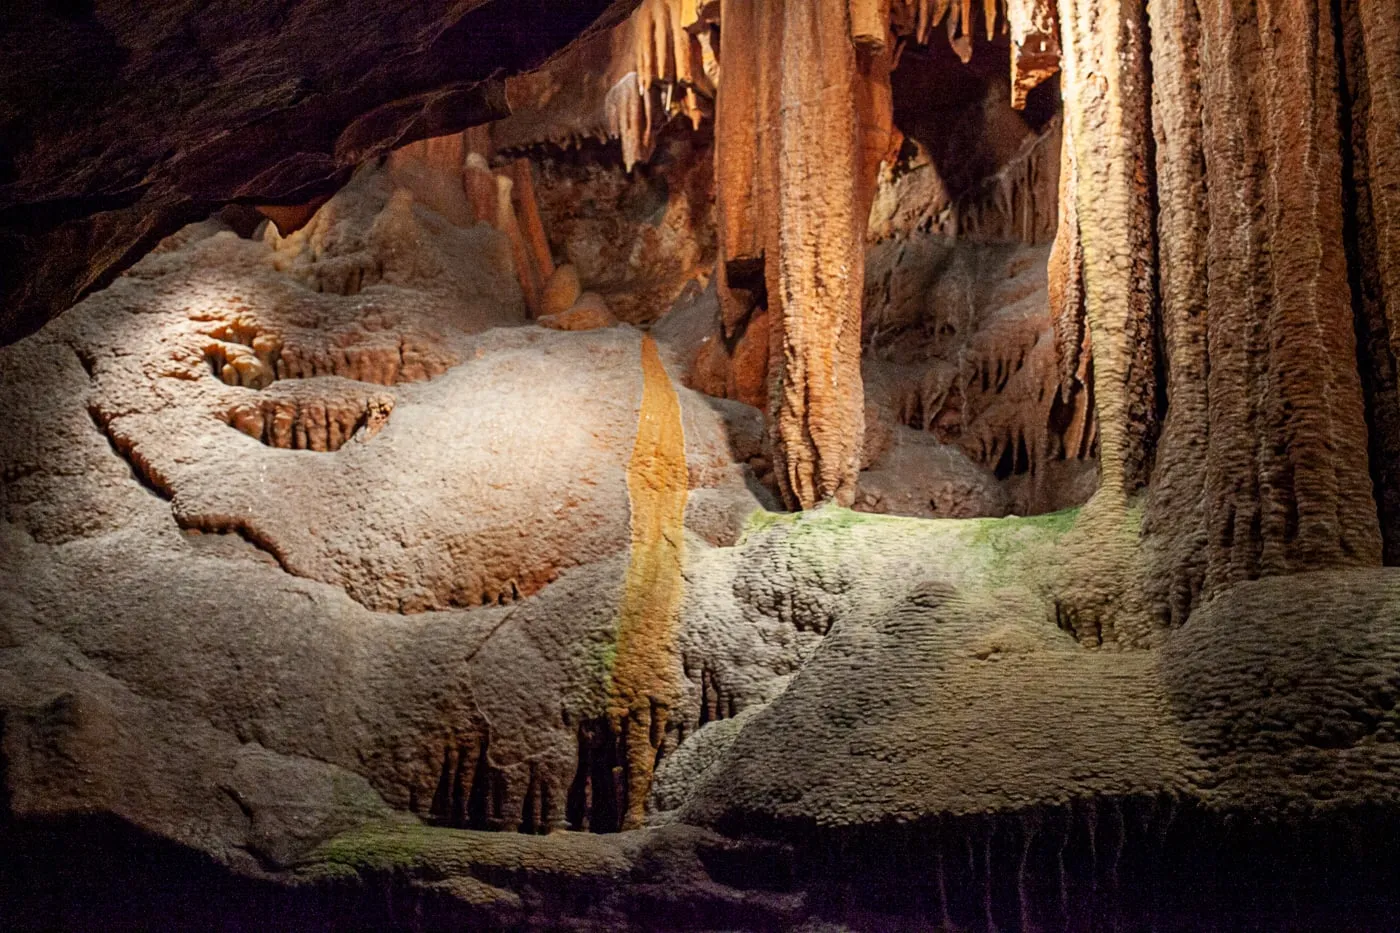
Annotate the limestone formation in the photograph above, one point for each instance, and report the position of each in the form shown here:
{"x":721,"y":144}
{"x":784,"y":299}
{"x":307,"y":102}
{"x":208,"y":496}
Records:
{"x":1370,"y":32}
{"x":1266,"y":472}
{"x":561,"y":291}
{"x":588,"y":312}
{"x":810,"y":465}
{"x":817,"y":275}
{"x":1035,"y":46}
{"x":101,"y":162}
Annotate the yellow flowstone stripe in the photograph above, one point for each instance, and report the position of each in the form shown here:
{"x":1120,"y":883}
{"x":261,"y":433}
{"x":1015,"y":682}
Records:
{"x":646,"y":675}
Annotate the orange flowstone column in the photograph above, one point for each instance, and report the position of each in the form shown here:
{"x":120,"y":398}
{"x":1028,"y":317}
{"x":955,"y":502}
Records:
{"x":527,"y":207}
{"x":646,"y":679}
{"x":803,"y":121}
{"x":817,"y":402}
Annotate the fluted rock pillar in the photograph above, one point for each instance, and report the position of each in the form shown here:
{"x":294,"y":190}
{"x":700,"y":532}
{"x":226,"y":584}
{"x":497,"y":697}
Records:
{"x":1262,"y":468}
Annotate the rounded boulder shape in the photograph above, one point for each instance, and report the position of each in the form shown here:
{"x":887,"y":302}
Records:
{"x":590,"y":312}
{"x":561,"y":291}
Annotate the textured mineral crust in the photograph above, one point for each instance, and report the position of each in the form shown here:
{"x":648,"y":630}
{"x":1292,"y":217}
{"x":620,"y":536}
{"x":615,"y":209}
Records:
{"x":405,"y":546}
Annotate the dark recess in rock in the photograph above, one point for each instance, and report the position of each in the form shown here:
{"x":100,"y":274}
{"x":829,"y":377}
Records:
{"x":121,"y":123}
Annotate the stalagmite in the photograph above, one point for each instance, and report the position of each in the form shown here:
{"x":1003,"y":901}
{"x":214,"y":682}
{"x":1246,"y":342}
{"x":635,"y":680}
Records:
{"x":527,"y":208}
{"x":288,"y":219}
{"x":818,"y":410}
{"x":561,"y":290}
{"x":508,"y":224}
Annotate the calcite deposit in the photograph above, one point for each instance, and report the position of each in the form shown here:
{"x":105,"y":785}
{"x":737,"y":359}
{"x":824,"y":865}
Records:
{"x":700,"y":464}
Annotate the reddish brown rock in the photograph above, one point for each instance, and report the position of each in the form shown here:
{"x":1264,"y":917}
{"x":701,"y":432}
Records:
{"x":589,"y":312}
{"x":561,"y":291}
{"x":637,"y":238}
{"x":98,"y":165}
{"x":433,"y":170}
{"x":1106,"y":121}
{"x":1265,"y":464}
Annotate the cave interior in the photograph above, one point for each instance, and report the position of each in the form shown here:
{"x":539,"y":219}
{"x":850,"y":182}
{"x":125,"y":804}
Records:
{"x":700,"y":464}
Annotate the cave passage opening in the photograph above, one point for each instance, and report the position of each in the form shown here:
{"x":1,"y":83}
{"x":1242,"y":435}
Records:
{"x":975,"y":367}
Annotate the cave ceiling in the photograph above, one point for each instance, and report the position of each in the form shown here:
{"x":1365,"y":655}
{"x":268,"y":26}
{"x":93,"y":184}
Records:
{"x":122,"y":122}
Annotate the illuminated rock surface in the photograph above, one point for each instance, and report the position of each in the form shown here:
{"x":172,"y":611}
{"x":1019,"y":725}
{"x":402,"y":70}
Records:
{"x":403,"y":547}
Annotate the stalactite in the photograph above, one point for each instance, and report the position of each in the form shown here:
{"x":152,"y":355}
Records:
{"x":1019,"y":202}
{"x":960,"y":29}
{"x":1175,"y":517}
{"x":1091,"y":825}
{"x":818,"y":410}
{"x":987,"y":877}
{"x":628,"y":119}
{"x":879,"y":141}
{"x":939,"y":875}
{"x":1371,"y":36}
{"x":665,"y":50}
{"x":870,"y":25}
{"x":1061,"y":875}
{"x":1030,"y":826}
{"x":746,"y":164}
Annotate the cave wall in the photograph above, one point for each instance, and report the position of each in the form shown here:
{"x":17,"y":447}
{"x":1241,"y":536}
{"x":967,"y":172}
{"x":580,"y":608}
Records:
{"x":579,"y":652}
{"x":121,"y":122}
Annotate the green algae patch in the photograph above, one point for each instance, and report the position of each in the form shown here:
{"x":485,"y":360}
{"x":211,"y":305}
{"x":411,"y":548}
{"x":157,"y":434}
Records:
{"x":835,"y":520}
{"x":1012,"y":546}
{"x":602,"y":662}
{"x":389,"y":847}
{"x":994,"y":550}
{"x":402,"y":847}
